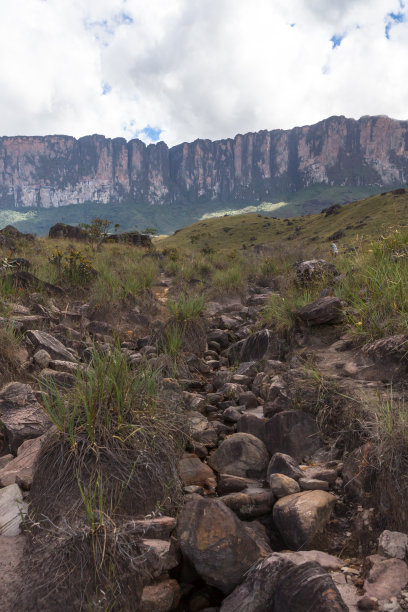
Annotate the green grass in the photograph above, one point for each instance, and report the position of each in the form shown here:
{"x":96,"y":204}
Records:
{"x":359,"y":220}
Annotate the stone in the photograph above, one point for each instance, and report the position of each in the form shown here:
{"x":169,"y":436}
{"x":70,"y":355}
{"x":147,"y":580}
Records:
{"x":227,"y":483}
{"x":328,"y":562}
{"x":250,"y":503}
{"x":44,"y":340}
{"x":262,"y":345}
{"x":282,"y":485}
{"x":312,"y":484}
{"x":22,"y":416}
{"x":301,"y":516}
{"x":158,"y":528}
{"x":161,"y":555}
{"x":232,"y":414}
{"x":49,"y":378}
{"x":313,"y":270}
{"x":5,"y":460}
{"x":320,"y":473}
{"x":323,"y":310}
{"x":278,"y":397}
{"x":42,"y":358}
{"x":241,"y":455}
{"x":284,"y":464}
{"x":252,"y":424}
{"x":292,"y":432}
{"x":248,"y":399}
{"x":393,"y":544}
{"x":20,"y":470}
{"x":277,"y":583}
{"x":307,"y":587}
{"x":247,"y":368}
{"x":256,"y":593}
{"x":194,"y":472}
{"x":367,"y":603}
{"x":386,"y":577}
{"x":216,"y":542}
{"x":12,"y":510}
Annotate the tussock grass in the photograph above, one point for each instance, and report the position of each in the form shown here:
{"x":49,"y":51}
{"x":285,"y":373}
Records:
{"x":186,"y":307}
{"x":115,"y":434}
{"x":10,"y":345}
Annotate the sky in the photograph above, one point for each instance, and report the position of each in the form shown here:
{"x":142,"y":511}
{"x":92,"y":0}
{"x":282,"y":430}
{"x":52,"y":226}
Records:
{"x":177,"y":70}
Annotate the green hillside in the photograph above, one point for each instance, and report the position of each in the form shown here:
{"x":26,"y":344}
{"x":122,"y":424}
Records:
{"x":170,"y":217}
{"x":365,"y":218}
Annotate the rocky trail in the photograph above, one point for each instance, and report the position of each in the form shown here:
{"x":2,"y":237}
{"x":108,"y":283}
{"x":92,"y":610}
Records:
{"x":275,"y":516}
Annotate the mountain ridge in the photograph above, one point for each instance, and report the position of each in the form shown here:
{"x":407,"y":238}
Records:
{"x":58,"y":170}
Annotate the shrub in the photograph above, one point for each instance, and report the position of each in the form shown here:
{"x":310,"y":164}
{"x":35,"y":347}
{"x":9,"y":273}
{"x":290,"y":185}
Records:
{"x":72,"y":267}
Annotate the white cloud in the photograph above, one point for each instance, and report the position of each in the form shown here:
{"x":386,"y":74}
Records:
{"x":196,"y":68}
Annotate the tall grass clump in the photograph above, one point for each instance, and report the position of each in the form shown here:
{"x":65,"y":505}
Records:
{"x":113,"y":455}
{"x":186,"y":307}
{"x":229,"y":280}
{"x":10,"y":345}
{"x":375,"y":286}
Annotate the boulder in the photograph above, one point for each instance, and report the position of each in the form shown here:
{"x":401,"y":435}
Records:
{"x":282,"y":485}
{"x":241,"y":455}
{"x":283,"y":464}
{"x":44,"y":340}
{"x":264,"y":344}
{"x":314,"y":270}
{"x":386,"y":577}
{"x":312,"y":484}
{"x":62,"y":230}
{"x":307,"y":588}
{"x":194,"y":472}
{"x":256,"y":593}
{"x":261,"y":590}
{"x":278,"y":397}
{"x":216,"y":542}
{"x":323,"y":310}
{"x":393,"y":544}
{"x":301,"y":516}
{"x":292,"y":432}
{"x":22,"y":416}
{"x":252,"y":424}
{"x":163,"y":596}
{"x":393,"y":348}
{"x":12,"y":510}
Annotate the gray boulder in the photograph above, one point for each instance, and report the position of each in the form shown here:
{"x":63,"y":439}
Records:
{"x":241,"y":455}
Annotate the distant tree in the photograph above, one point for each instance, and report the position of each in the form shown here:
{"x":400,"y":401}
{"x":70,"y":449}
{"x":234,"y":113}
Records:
{"x":152,"y":231}
{"x":97,"y":230}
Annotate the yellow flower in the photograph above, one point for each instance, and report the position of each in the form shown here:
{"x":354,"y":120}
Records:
{"x":359,"y":323}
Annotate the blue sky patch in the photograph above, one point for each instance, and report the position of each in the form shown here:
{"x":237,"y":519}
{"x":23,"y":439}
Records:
{"x":106,"y":88}
{"x":152,"y":133}
{"x":394,"y":19}
{"x":336,"y":40}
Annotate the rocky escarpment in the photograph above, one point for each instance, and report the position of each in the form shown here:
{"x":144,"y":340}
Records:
{"x":54,"y":171}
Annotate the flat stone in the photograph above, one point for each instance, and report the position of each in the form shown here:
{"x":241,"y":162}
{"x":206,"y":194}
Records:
{"x":320,"y":473}
{"x":44,"y":340}
{"x":159,"y":528}
{"x":312,"y":484}
{"x":12,"y":510}
{"x":60,"y":379}
{"x":250,"y":503}
{"x":228,"y":483}
{"x":323,"y":310}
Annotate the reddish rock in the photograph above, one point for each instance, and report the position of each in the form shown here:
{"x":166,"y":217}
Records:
{"x":163,"y":596}
{"x":386,"y":577}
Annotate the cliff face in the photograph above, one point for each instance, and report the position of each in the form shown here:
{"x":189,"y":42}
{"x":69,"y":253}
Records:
{"x":59,"y":170}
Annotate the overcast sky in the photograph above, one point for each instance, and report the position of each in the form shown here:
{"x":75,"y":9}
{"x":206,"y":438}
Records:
{"x":177,"y":70}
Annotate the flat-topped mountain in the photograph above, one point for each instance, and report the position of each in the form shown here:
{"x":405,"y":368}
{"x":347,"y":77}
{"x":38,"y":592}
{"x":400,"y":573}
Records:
{"x":53,"y":171}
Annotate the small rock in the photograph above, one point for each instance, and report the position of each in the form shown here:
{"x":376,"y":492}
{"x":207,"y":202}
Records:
{"x":161,"y":597}
{"x":284,"y":464}
{"x":282,"y":485}
{"x":367,"y":603}
{"x":393,"y":544}
{"x":12,"y":510}
{"x":312,"y":484}
{"x":241,"y":455}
